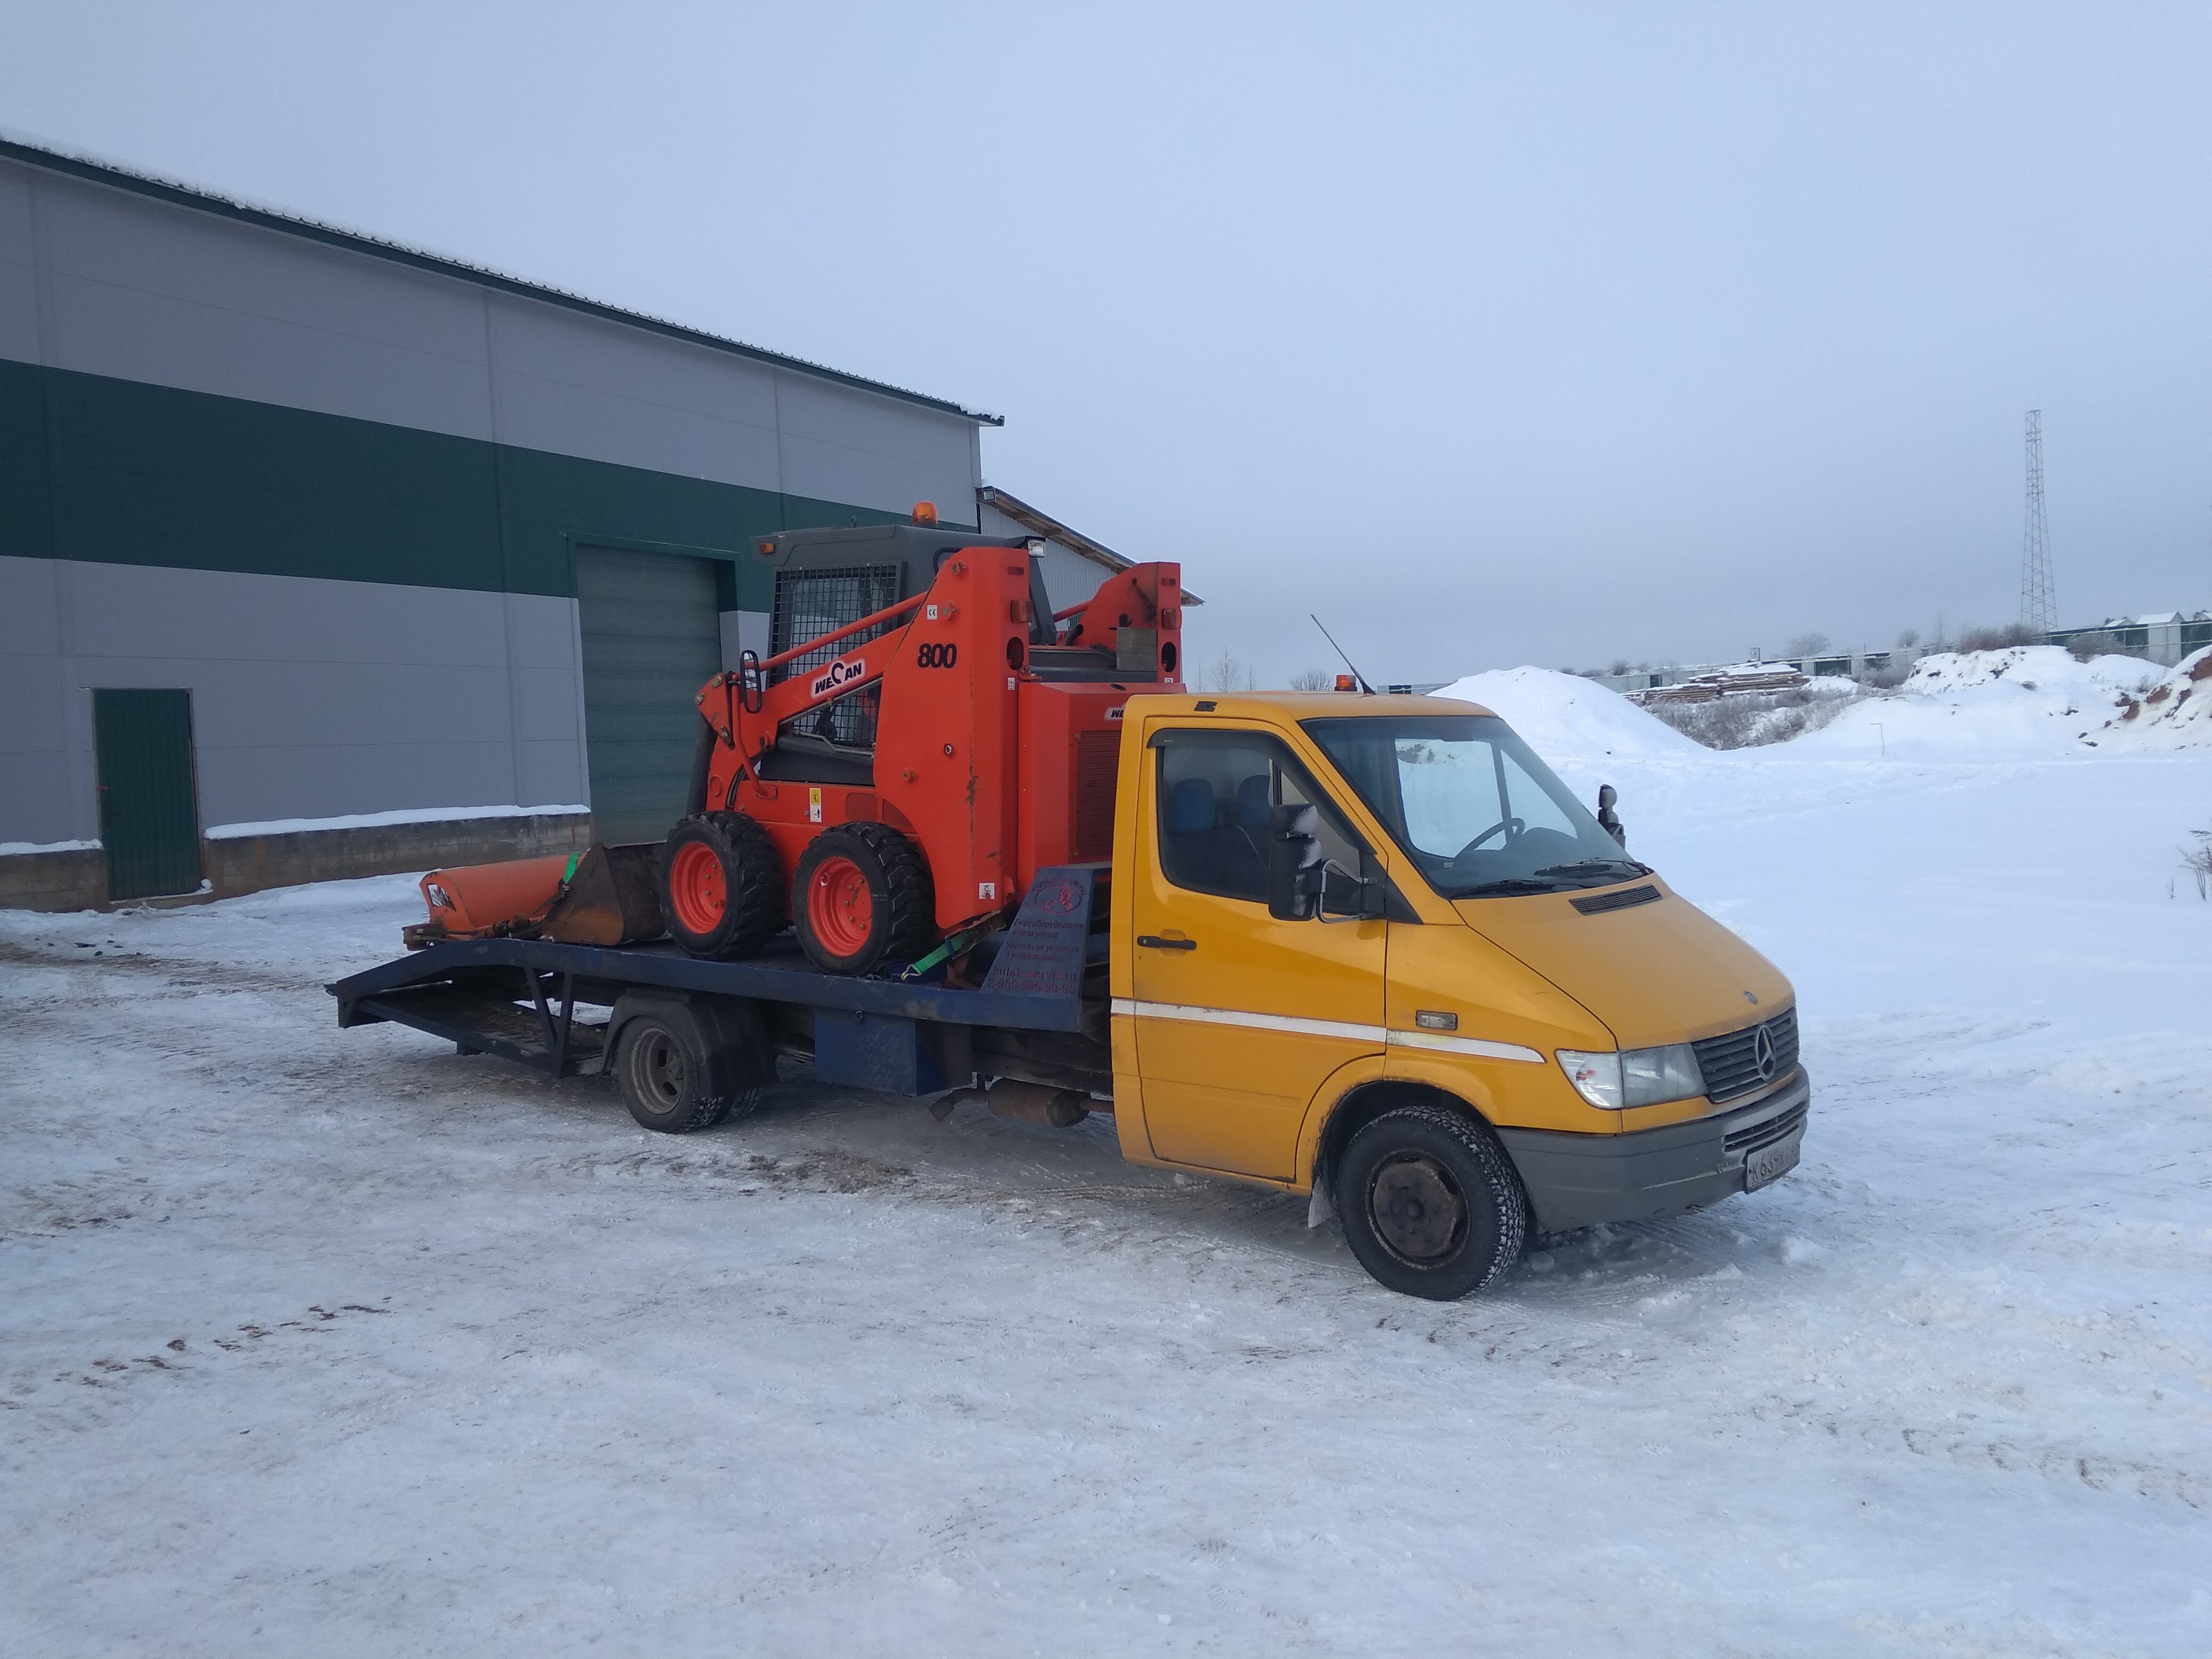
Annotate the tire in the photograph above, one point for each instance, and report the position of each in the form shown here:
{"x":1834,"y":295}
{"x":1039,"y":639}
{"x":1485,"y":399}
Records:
{"x":861,"y":898}
{"x":683,"y":1067}
{"x":1430,"y":1204}
{"x":721,"y":885}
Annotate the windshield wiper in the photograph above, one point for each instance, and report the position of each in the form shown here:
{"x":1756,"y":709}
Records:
{"x":1594,"y":866}
{"x":1510,"y":885}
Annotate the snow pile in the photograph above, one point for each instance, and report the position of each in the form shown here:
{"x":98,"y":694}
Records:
{"x":2174,"y":714}
{"x":2020,"y":702}
{"x":1564,"y":717}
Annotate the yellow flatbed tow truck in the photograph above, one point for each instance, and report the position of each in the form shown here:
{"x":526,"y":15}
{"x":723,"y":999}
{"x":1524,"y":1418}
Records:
{"x":1367,"y":949}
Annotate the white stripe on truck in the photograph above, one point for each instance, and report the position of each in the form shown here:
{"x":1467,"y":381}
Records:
{"x":1329,"y":1027}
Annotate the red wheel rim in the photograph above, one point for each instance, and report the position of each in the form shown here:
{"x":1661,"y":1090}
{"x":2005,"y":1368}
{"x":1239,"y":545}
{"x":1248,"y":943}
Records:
{"x":695,"y":888}
{"x":839,"y":907}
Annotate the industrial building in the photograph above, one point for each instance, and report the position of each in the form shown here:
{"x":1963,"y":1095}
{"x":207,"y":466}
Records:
{"x":321,"y":556}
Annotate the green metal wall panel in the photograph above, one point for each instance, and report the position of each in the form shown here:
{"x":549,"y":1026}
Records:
{"x":651,"y":637}
{"x":26,"y":527}
{"x":149,"y":813}
{"x":121,"y":473}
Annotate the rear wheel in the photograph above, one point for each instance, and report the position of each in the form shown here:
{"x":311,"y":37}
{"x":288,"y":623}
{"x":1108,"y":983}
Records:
{"x":1431,"y":1205}
{"x":721,"y":885}
{"x":684,"y":1067}
{"x":861,"y":898}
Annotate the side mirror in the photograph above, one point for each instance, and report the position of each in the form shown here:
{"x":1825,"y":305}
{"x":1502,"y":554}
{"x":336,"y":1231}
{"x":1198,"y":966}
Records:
{"x":1608,"y":819}
{"x":1294,"y":871}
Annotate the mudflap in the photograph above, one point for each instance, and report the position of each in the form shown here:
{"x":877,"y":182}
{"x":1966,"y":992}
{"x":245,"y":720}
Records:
{"x":612,"y":897}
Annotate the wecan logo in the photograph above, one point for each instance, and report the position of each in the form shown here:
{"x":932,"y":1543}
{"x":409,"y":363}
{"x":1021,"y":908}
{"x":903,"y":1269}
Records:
{"x":837,"y":674}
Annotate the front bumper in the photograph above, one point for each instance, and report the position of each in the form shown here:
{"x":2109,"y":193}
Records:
{"x":1576,"y":1180}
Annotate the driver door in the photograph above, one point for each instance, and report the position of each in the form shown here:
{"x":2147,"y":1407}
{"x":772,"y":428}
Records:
{"x":1240,"y":1017}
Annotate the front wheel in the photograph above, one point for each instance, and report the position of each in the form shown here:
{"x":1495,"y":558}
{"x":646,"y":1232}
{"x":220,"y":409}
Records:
{"x":721,"y":885}
{"x":1431,"y":1205}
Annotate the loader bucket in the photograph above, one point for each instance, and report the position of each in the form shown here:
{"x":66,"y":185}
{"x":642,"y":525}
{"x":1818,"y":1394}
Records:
{"x":481,"y":901}
{"x":613,"y":898}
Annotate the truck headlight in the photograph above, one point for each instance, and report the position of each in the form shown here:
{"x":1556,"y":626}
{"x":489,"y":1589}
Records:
{"x":1635,"y":1076}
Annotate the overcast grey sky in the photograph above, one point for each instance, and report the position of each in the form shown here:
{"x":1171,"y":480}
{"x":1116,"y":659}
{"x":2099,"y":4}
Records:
{"x":1495,"y":333}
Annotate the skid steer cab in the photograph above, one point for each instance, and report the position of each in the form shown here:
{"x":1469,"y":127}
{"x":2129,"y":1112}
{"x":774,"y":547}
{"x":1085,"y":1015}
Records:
{"x":890,"y":784}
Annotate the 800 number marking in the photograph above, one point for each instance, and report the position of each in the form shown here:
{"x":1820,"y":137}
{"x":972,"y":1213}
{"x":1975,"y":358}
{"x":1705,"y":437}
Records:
{"x":937,"y":656}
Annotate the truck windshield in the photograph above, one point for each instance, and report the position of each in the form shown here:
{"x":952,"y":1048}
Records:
{"x":1471,"y":805}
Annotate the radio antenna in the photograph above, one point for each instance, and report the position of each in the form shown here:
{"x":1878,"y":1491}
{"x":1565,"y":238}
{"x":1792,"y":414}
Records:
{"x":1358,"y":677}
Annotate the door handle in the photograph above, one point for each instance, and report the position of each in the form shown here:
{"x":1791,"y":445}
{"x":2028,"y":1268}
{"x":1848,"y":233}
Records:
{"x":1155,"y":942}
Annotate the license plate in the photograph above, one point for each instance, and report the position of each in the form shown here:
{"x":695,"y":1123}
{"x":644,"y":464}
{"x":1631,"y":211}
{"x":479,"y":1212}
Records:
{"x":1771,"y":1164}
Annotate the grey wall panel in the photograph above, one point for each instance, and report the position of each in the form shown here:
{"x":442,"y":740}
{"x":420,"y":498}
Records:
{"x":550,"y":773}
{"x":36,"y":799}
{"x":840,"y":445}
{"x":545,"y":706}
{"x":146,"y":290}
{"x":38,"y":802}
{"x":19,"y":299}
{"x":142,"y":290}
{"x":125,"y":610}
{"x":541,"y":632}
{"x":575,"y":385}
{"x":30,"y":607}
{"x":346,"y":778}
{"x":32,"y":693}
{"x":312,"y":699}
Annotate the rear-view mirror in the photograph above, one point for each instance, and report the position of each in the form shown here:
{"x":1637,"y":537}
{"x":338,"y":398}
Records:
{"x":1294,"y":871}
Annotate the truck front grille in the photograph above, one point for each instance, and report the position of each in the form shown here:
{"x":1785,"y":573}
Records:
{"x":1766,"y":1132}
{"x":1730,"y":1063}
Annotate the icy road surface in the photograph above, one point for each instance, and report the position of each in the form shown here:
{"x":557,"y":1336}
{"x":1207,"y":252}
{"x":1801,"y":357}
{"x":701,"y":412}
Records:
{"x":315,"y":1342}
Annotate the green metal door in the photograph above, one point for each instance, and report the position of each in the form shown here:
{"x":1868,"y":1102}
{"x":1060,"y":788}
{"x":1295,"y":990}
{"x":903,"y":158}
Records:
{"x":652,"y":634}
{"x":148,"y":810}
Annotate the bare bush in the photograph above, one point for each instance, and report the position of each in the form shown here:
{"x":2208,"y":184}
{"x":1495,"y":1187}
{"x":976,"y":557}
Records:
{"x":1806,"y":644}
{"x":1312,"y":679}
{"x":1996,"y":639}
{"x":2197,"y":860}
{"x":1750,"y":720}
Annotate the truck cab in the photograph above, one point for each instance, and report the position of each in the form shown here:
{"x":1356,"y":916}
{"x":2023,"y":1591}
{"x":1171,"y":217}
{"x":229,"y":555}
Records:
{"x":1371,"y":948}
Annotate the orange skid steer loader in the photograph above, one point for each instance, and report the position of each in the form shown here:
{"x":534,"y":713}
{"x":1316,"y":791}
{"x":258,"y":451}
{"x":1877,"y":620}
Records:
{"x":887,"y":784}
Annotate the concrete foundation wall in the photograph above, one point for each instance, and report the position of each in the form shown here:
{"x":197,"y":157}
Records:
{"x":78,"y":880}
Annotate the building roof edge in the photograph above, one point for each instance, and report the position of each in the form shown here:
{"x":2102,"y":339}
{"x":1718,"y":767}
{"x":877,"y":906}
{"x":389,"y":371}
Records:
{"x":31,"y":152}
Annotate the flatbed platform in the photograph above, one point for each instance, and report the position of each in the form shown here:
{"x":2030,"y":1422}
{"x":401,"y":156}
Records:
{"x":1042,"y":1000}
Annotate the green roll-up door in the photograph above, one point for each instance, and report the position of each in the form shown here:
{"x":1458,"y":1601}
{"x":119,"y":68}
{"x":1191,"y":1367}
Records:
{"x":652,"y":638}
{"x":148,"y":808}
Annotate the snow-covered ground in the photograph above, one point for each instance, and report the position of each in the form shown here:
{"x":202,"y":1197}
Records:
{"x":324,"y":1342}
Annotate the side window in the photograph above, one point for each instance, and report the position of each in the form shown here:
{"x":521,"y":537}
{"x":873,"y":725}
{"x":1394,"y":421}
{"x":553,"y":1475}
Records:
{"x":1215,"y":791}
{"x":1213,"y":818}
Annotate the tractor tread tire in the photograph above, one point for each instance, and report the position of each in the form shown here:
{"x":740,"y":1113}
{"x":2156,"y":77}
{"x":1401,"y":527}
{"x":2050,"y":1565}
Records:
{"x":752,"y":884}
{"x":899,"y":886}
{"x":1497,"y":1204}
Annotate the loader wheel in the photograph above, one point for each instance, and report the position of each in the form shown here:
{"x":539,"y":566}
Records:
{"x":1430,"y":1203}
{"x":862,"y":897}
{"x":721,"y":885}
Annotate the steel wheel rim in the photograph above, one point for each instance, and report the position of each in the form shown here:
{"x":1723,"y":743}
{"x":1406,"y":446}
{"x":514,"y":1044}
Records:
{"x":660,"y":1071}
{"x":1417,"y":1210}
{"x":695,"y":889}
{"x":839,"y":907}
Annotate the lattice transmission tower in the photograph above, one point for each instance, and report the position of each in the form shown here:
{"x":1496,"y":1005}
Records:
{"x":2039,"y":607}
